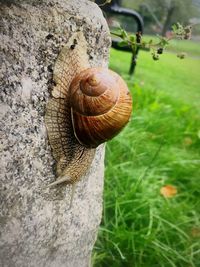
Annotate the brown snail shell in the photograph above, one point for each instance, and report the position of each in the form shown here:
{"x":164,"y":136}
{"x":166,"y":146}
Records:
{"x":101,"y":105}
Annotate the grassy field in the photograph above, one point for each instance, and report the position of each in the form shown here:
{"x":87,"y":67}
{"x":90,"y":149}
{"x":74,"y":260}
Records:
{"x":160,"y":146}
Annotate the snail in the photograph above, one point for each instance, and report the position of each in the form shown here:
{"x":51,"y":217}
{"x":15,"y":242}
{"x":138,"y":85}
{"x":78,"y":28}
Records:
{"x":89,"y":106}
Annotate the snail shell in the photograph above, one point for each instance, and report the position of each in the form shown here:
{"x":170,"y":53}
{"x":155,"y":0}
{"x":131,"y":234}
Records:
{"x":101,"y":105}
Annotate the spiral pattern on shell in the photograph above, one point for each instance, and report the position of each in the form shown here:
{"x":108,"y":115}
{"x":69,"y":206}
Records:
{"x":101,"y":105}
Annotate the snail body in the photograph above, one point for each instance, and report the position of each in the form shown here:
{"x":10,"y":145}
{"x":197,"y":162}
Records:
{"x":88,"y":107}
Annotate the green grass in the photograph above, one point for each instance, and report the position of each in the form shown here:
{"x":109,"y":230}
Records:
{"x":160,"y":146}
{"x":192,"y":48}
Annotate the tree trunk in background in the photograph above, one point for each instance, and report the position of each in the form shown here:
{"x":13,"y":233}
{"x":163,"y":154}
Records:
{"x":37,"y":228}
{"x":168,"y":21}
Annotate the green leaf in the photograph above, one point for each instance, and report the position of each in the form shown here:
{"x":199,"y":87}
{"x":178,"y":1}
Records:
{"x":163,"y":41}
{"x":123,"y":43}
{"x":132,"y":38}
{"x":124,"y":34}
{"x":174,"y":27}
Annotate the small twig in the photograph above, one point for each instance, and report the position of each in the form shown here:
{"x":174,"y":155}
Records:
{"x":136,"y":42}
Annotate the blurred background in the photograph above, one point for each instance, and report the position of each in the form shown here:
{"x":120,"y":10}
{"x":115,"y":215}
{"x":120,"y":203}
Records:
{"x":151,"y":215}
{"x":159,"y":15}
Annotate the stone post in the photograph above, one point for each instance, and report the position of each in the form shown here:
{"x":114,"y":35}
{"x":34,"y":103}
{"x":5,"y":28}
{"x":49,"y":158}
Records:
{"x":37,"y":227}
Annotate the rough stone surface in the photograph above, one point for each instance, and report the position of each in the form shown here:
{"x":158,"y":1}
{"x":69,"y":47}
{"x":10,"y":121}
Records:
{"x":37,"y":227}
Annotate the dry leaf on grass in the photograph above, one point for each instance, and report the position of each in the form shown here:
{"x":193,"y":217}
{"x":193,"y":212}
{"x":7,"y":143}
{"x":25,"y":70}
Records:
{"x":168,"y":191}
